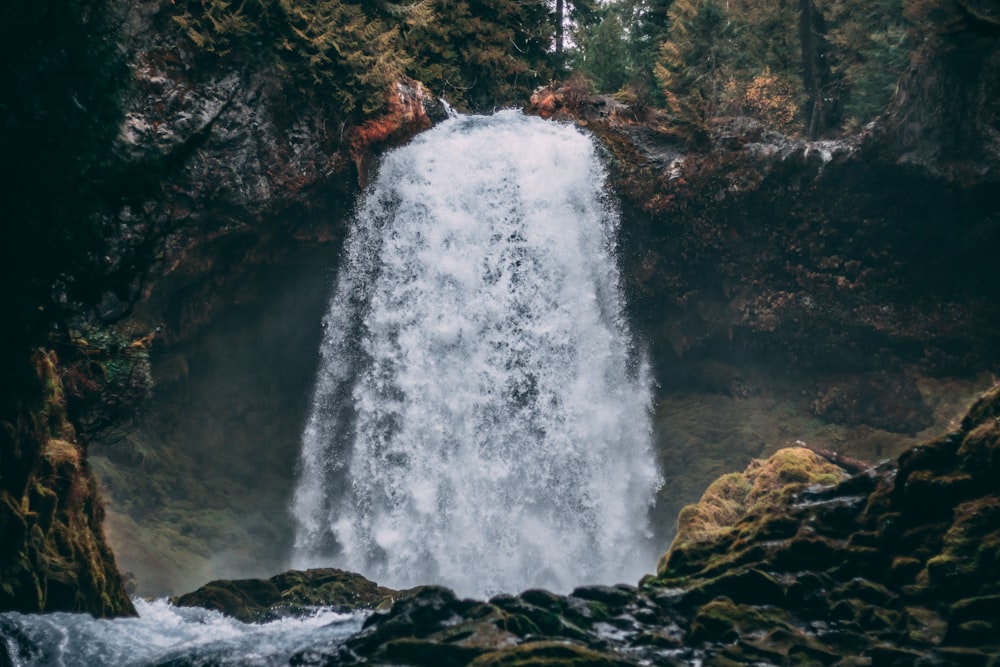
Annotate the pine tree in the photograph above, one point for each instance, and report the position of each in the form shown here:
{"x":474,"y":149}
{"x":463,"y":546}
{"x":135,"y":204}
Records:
{"x":870,"y":47}
{"x":602,"y":51}
{"x":481,"y":55}
{"x":698,"y":58}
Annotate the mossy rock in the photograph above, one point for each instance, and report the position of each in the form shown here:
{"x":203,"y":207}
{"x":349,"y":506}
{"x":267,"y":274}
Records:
{"x":969,"y":560}
{"x":741,"y":505}
{"x":743,"y":586}
{"x":723,"y":620}
{"x":294,"y":592}
{"x":53,"y":555}
{"x":974,"y":622}
{"x":550,"y":654}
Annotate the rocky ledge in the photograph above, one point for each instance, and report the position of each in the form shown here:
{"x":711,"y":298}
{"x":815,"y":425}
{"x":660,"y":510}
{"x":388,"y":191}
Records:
{"x":805,"y":558}
{"x":291,"y":593}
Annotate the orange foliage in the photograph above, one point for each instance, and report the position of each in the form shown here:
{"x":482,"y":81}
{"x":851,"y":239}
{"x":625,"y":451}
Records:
{"x":770,"y":98}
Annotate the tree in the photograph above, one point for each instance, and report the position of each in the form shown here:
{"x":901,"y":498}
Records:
{"x":602,"y":51}
{"x":575,"y":13}
{"x":479,"y":54}
{"x":869,"y":46}
{"x":339,"y":51}
{"x":698,"y":57}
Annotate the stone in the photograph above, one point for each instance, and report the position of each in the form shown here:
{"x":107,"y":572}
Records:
{"x":290,"y":593}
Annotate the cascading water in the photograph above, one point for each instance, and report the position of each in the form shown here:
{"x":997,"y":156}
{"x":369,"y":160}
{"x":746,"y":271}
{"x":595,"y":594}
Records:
{"x":480,"y":418}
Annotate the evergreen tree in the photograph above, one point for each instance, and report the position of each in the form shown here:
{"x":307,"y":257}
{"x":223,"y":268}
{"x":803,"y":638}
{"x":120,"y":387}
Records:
{"x":698,"y":58}
{"x":573,"y":14}
{"x":602,"y":51}
{"x":870,"y":47}
{"x":481,"y":55}
{"x":347,"y":53}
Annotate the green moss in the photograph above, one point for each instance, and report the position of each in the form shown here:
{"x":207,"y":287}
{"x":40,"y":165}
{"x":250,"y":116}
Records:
{"x":54,"y":556}
{"x":721,"y":620}
{"x":549,"y":654}
{"x":740,"y":507}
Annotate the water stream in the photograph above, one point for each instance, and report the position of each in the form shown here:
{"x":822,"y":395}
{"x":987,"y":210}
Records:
{"x":165,"y":635}
{"x":480,"y":418}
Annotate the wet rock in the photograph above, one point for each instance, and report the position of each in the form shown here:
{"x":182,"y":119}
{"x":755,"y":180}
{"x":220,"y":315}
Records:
{"x":887,"y":401}
{"x":290,"y":593}
{"x":53,"y":553}
{"x":550,"y":654}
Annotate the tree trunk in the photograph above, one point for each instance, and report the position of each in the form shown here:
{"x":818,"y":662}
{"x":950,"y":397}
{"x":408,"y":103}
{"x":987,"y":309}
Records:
{"x":810,"y":78}
{"x":560,"y":11}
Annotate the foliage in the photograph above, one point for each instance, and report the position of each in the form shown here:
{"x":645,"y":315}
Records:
{"x":107,"y":379}
{"x":481,"y":55}
{"x":835,"y":61}
{"x":336,"y":49}
{"x":478,"y":54}
{"x":602,"y":52}
{"x":699,"y":57}
{"x":870,"y":48}
{"x":772,"y":99}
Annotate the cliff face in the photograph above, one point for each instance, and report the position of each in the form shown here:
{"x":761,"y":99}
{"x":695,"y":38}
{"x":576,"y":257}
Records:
{"x":54,"y":555}
{"x":249,"y":186}
{"x":833,"y":292}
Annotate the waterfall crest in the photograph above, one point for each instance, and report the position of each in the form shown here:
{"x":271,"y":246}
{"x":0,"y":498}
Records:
{"x":481,"y":417}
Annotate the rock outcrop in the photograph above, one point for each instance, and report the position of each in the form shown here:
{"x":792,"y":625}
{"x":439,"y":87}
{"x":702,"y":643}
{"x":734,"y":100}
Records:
{"x":244,"y":185}
{"x":291,"y":593}
{"x":54,"y":556}
{"x":803,"y":559}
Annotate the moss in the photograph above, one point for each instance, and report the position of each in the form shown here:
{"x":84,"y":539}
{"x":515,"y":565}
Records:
{"x":54,"y":556}
{"x":62,"y":454}
{"x":742,"y":506}
{"x":969,"y":560}
{"x":923,"y":626}
{"x":722,"y":620}
{"x":549,"y":654}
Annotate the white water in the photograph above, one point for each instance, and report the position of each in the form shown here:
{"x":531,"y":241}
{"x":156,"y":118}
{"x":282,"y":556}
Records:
{"x":480,"y":418}
{"x":164,"y":634}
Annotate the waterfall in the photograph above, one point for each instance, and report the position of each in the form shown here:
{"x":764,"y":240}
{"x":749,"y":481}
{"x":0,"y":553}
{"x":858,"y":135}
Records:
{"x":481,"y":415}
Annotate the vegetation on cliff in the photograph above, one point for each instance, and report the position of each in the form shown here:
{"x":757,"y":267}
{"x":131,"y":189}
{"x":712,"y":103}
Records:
{"x":479,"y":55}
{"x":54,"y":555}
{"x":62,"y":79}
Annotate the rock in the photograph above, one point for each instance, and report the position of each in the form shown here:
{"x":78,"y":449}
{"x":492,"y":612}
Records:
{"x":290,"y":593}
{"x":549,"y":654}
{"x":53,"y":554}
{"x":887,"y":401}
{"x":740,"y":504}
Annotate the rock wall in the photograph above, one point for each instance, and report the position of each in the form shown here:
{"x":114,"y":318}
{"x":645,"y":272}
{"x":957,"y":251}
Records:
{"x":248,"y":188}
{"x":55,"y":556}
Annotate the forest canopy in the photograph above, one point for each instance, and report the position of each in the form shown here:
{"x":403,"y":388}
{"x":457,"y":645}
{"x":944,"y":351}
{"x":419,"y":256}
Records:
{"x":809,"y":67}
